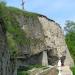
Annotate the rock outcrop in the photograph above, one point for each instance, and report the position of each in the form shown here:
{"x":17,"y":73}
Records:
{"x":55,"y":41}
{"x":25,"y":36}
{"x":5,"y":68}
{"x":47,"y":35}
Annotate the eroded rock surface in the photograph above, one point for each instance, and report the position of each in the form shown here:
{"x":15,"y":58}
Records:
{"x":4,"y":55}
{"x":6,"y":65}
{"x":55,"y":41}
{"x":28,"y":36}
{"x":47,"y":35}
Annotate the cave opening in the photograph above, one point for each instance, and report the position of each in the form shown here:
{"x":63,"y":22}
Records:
{"x":52,"y":58}
{"x":24,"y":65}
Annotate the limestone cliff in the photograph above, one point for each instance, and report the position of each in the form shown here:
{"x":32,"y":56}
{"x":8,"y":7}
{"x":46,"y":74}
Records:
{"x":55,"y":41}
{"x":27,"y":35}
{"x":46,"y":35}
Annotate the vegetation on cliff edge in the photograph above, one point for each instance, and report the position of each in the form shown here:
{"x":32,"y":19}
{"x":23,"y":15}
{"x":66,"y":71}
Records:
{"x":16,"y":37}
{"x":70,"y":37}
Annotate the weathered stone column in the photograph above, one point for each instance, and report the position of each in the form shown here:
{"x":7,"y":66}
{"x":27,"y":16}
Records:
{"x":44,"y":58}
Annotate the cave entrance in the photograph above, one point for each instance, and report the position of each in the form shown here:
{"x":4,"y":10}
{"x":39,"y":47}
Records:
{"x":52,"y":57}
{"x":25,"y":64}
{"x":39,"y":60}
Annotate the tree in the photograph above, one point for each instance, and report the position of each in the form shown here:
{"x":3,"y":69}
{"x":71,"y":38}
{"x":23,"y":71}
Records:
{"x":2,"y":7}
{"x":2,"y":2}
{"x":70,"y":26}
{"x":70,"y":37}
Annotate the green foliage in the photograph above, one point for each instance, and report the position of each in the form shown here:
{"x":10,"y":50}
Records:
{"x":73,"y":70}
{"x":70,"y":40}
{"x":2,"y":2}
{"x":16,"y":37}
{"x":21,"y":12}
{"x":2,"y":9}
{"x":12,"y":45}
{"x":37,"y":66}
{"x":29,"y":67}
{"x":70,"y":26}
{"x":24,"y":70}
{"x":22,"y":73}
{"x":70,"y":37}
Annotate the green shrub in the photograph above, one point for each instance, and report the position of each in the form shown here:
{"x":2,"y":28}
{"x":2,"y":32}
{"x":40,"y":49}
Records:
{"x":73,"y":70}
{"x":22,"y":73}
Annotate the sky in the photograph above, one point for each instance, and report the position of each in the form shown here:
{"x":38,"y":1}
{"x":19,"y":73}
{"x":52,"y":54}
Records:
{"x":58,"y":10}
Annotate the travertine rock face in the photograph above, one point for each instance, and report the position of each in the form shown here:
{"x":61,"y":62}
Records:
{"x":55,"y":41}
{"x":33,"y":29}
{"x":54,"y":38}
{"x":47,"y":35}
{"x":41,"y":34}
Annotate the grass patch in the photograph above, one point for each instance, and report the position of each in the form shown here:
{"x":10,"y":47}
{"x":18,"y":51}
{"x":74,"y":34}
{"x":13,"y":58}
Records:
{"x":29,"y":67}
{"x":24,"y":70}
{"x":36,"y":66}
{"x":22,"y":73}
{"x":21,"y":12}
